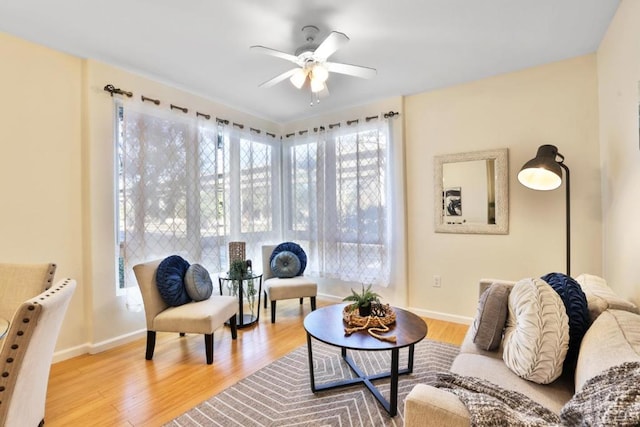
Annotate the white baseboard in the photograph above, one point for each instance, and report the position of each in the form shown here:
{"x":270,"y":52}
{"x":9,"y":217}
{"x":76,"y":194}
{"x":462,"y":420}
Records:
{"x":454,"y":318}
{"x":420,"y":312}
{"x":68,"y":353}
{"x":90,"y":348}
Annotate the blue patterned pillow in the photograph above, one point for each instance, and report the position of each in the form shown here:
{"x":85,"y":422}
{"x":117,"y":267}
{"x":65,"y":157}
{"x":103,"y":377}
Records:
{"x":197,"y":282}
{"x":296,"y":249}
{"x":170,"y":280}
{"x":285,"y":265}
{"x":575,"y":302}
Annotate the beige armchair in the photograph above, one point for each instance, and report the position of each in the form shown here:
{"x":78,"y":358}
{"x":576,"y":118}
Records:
{"x":19,"y":282}
{"x":25,"y":357}
{"x":280,"y":289}
{"x":201,"y":317}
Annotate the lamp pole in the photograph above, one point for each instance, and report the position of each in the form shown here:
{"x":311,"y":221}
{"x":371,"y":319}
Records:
{"x":568,"y":213}
{"x":543,"y":172}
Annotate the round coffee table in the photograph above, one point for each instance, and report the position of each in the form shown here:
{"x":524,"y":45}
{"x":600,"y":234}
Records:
{"x":325,"y":324}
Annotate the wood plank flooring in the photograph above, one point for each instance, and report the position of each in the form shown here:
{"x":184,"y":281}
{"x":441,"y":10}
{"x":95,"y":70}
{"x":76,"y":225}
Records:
{"x":119,"y":387}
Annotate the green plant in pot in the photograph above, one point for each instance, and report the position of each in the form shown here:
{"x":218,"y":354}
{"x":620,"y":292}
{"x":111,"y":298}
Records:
{"x":237,"y":271}
{"x":362,"y":300}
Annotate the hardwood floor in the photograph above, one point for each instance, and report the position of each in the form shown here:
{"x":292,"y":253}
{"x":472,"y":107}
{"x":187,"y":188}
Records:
{"x":120,"y":388}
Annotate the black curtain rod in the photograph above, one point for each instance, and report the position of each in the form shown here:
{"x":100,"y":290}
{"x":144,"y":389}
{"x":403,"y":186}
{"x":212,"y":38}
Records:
{"x":388,"y":115}
{"x":175,"y":107}
{"x":155,"y":101}
{"x":112,"y":89}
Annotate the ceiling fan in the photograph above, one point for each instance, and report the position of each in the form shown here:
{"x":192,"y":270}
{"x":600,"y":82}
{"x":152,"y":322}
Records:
{"x":312,"y":65}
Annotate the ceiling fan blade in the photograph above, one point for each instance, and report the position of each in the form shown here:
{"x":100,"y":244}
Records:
{"x":333,"y":42}
{"x":351,"y":70}
{"x":277,"y":79}
{"x":276,"y":53}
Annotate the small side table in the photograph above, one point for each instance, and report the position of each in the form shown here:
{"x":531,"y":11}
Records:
{"x":248,"y":293}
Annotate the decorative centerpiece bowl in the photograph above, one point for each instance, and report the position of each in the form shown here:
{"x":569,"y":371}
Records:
{"x":383,"y":316}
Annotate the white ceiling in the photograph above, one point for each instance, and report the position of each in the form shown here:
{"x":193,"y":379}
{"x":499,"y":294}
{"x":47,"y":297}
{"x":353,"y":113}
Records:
{"x":416,"y":45}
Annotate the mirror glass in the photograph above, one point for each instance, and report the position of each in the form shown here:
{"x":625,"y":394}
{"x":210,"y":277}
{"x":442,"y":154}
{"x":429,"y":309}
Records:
{"x":471,"y":192}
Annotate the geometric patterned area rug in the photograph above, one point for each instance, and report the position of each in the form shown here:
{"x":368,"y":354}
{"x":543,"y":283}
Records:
{"x":280,"y":393}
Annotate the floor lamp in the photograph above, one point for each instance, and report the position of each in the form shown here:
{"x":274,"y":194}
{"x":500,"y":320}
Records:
{"x":544,"y":172}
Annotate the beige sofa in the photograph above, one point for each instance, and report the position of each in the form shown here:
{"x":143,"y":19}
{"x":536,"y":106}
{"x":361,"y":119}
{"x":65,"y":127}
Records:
{"x":613,"y":338}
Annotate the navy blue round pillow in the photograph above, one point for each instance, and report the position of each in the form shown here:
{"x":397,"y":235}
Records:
{"x":170,"y":280}
{"x":575,"y":302}
{"x":296,"y":249}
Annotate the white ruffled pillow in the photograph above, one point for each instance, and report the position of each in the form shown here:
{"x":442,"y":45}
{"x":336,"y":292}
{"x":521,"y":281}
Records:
{"x":536,"y":337}
{"x":601,"y":297}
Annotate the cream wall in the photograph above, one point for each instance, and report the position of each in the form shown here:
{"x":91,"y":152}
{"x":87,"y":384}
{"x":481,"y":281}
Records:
{"x":618,"y":75}
{"x":550,"y":104}
{"x":41,"y":173}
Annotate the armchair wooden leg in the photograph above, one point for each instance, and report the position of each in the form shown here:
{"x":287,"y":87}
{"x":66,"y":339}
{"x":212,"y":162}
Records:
{"x":301,"y":301}
{"x":273,"y":312}
{"x":182,"y":334}
{"x":234,"y":327}
{"x":265,"y":299}
{"x":208,"y":346}
{"x":313,"y":303}
{"x":151,"y":344}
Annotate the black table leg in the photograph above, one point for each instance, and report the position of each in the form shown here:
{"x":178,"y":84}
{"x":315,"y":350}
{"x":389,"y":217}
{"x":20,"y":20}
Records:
{"x":313,"y":381}
{"x":393,"y":393}
{"x":410,"y":361}
{"x":391,"y":405}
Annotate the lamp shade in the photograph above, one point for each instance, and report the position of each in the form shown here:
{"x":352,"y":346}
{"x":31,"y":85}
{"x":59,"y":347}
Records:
{"x":299,"y":77}
{"x":319,"y":73}
{"x":316,"y":86}
{"x":542,"y":172}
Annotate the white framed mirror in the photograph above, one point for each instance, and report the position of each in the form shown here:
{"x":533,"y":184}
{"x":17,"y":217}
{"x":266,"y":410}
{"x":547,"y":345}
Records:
{"x":472,"y":192}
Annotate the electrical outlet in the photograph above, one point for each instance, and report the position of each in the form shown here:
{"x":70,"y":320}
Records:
{"x":437,"y":281}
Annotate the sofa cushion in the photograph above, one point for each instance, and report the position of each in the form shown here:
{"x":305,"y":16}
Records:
{"x":170,"y":280}
{"x":296,"y":249}
{"x":552,"y":396}
{"x":575,"y":302}
{"x":197,"y":282}
{"x":285,"y":264}
{"x":491,"y":317}
{"x":612,"y":339}
{"x":601,"y":297}
{"x":536,"y":337}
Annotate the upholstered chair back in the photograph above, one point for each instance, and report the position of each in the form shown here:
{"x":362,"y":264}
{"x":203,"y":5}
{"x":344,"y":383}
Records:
{"x":19,"y":282}
{"x":153,"y":302}
{"x":27,"y":351}
{"x":267,"y":250}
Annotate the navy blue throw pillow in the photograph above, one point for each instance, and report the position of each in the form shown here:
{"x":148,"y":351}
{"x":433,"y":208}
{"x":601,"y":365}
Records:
{"x":170,"y":280}
{"x":575,"y":302}
{"x":296,"y":249}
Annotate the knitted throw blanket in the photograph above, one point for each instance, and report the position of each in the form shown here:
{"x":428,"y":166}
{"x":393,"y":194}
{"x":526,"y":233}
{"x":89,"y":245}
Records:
{"x":611,"y":398}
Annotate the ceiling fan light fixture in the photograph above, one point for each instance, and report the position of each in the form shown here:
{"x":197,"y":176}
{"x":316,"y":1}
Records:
{"x":298,"y":78}
{"x":316,"y":86}
{"x":319,"y":73}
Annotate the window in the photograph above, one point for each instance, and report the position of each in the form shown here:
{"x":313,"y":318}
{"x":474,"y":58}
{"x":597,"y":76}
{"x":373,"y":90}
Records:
{"x":336,"y":186}
{"x":188,"y":187}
